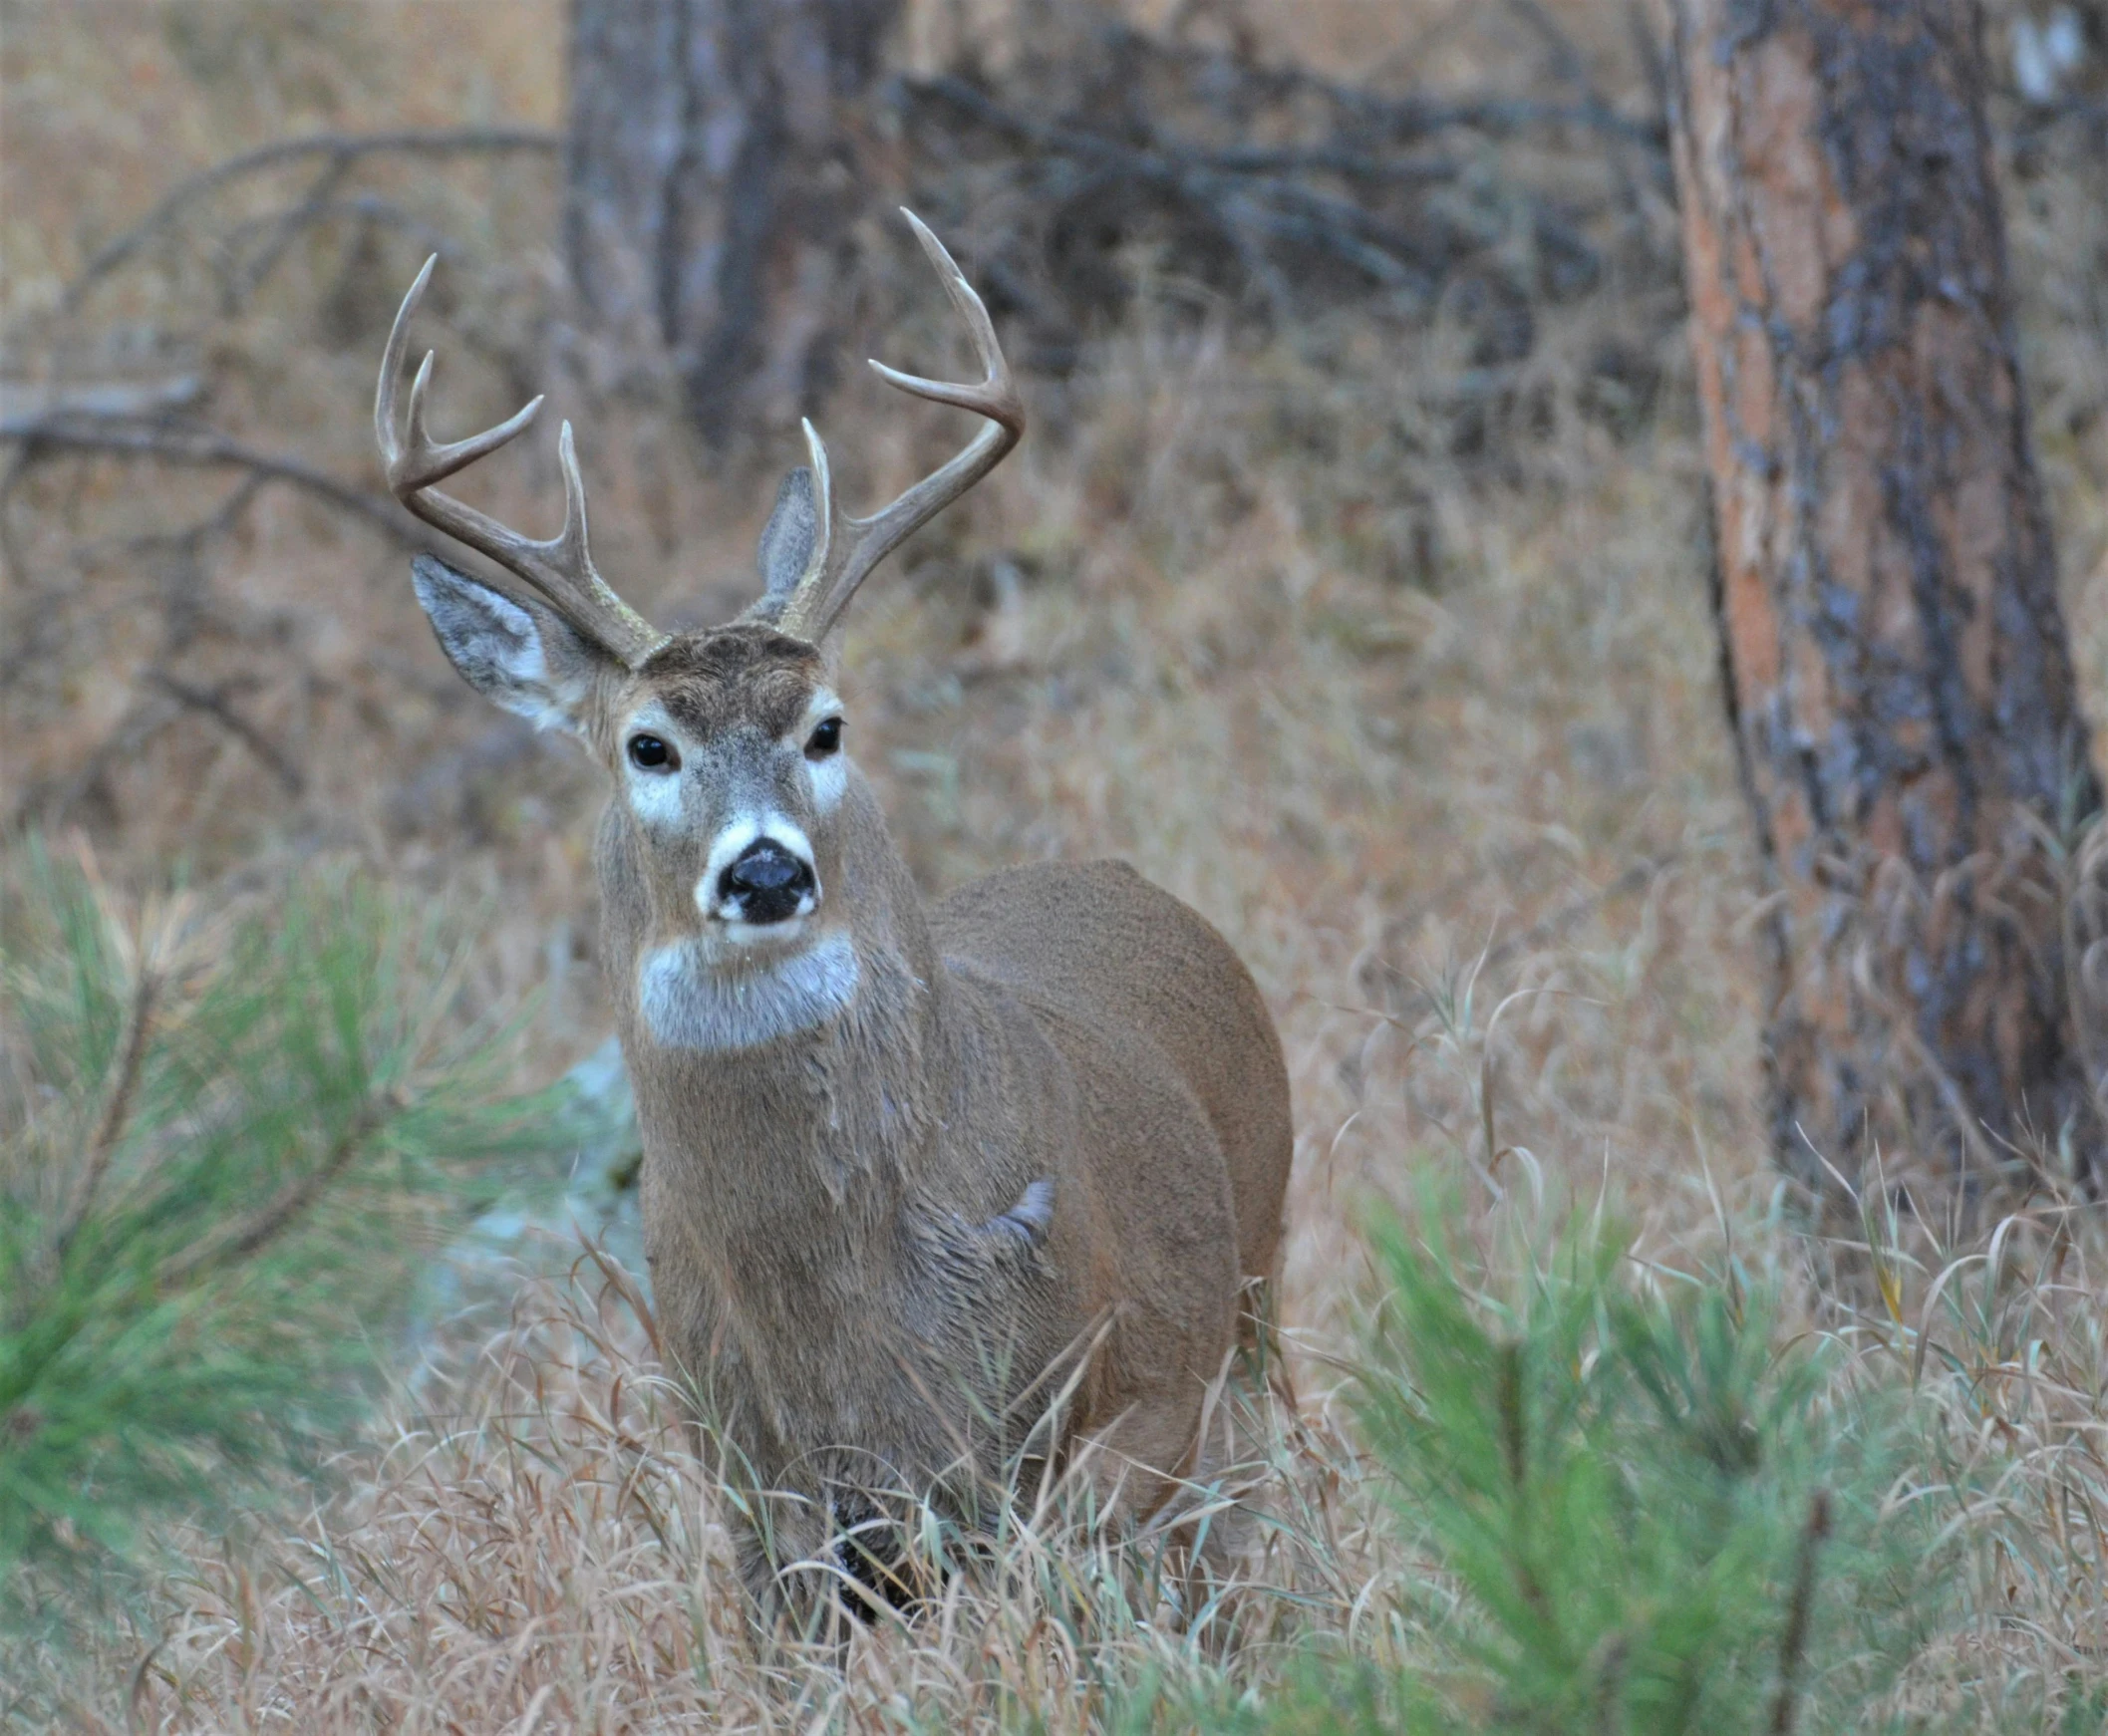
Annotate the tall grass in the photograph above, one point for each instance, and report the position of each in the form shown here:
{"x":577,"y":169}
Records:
{"x":1554,"y":1489}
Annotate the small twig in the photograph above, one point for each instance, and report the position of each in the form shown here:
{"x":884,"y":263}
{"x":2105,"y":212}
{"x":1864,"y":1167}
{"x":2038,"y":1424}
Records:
{"x":1513,"y":1421}
{"x":1508,"y":1401}
{"x":1654,"y":60}
{"x":369,"y":207}
{"x":1330,"y":158}
{"x":52,"y":797}
{"x":2038,"y":121}
{"x":11,"y":560}
{"x":1794,"y":1640}
{"x":117,"y":1108}
{"x":1414,"y":116}
{"x":345,"y":148}
{"x":185,"y":600}
{"x":1567,"y":64}
{"x":36,"y":624}
{"x":1404,"y":116}
{"x":244,"y":281}
{"x":1171,"y":158}
{"x":287,"y":1206}
{"x":1610,"y":1680}
{"x":212,"y":702}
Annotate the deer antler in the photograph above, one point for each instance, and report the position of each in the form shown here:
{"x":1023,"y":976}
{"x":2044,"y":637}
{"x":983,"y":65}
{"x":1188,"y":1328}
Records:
{"x":561,"y":570}
{"x":845,"y":549}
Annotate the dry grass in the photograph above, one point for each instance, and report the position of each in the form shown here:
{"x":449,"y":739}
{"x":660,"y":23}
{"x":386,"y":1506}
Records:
{"x":1175,"y":628}
{"x":554,"y":1547}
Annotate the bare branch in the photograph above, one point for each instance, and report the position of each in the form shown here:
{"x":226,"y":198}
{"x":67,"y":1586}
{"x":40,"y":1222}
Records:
{"x":214,"y":704}
{"x":244,"y":279}
{"x":366,"y":207}
{"x":24,"y":402}
{"x":1225,"y":184}
{"x":208,"y":448}
{"x":1571,"y":69}
{"x":341,"y":147}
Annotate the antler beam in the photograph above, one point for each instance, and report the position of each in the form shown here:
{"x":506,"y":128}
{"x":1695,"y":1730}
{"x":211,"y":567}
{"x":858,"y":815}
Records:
{"x":845,"y":549}
{"x":560,"y":571}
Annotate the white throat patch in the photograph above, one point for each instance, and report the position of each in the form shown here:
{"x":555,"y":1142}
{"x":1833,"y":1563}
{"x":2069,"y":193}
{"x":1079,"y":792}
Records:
{"x":688,"y":1006}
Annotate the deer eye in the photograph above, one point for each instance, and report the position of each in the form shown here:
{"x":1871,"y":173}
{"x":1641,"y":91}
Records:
{"x":824,"y":739}
{"x":652,"y":754}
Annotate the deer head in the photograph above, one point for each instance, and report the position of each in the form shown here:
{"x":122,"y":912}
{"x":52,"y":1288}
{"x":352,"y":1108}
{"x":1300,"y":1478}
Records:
{"x":723,"y":747}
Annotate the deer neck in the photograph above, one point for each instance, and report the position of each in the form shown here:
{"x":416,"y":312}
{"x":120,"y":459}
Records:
{"x":836,"y":1113}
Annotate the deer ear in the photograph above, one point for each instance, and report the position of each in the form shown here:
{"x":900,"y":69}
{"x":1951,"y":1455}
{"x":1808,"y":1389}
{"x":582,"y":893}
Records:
{"x":787,"y":544}
{"x":517,"y":653}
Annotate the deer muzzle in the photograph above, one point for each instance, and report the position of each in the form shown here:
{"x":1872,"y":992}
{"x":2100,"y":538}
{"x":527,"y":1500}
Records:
{"x":770,"y":881}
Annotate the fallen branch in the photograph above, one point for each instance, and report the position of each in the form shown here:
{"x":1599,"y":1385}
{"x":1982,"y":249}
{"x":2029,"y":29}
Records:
{"x":1416,"y":116}
{"x":1354,"y":191}
{"x":1173,"y":162}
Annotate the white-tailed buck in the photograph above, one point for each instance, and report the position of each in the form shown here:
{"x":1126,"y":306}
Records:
{"x":911,"y":1170}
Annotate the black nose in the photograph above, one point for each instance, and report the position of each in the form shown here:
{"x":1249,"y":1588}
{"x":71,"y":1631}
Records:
{"x":767,"y":883}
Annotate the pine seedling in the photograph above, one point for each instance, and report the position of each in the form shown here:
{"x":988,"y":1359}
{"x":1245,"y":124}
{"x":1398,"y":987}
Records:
{"x":226,"y":1138}
{"x":1652,"y":1520}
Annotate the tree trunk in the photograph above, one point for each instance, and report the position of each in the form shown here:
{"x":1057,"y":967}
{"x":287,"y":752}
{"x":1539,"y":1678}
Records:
{"x":717,"y":172}
{"x":1898,"y":676}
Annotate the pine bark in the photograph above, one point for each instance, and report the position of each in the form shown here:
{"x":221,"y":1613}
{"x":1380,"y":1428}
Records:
{"x":1898,"y":670}
{"x":717,"y":169}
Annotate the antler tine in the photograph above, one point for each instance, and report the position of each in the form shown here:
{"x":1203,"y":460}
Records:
{"x":995,"y":396}
{"x":571,"y":554}
{"x":846,"y":549}
{"x":385,"y":423}
{"x":429,"y":460}
{"x":425,"y":462}
{"x":561,"y":569}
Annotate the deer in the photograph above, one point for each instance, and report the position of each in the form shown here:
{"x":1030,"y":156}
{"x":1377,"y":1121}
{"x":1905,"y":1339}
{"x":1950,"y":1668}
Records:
{"x":931,"y":1189}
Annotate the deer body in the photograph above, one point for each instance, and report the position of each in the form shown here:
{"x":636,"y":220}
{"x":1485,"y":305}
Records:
{"x":911,"y":1172}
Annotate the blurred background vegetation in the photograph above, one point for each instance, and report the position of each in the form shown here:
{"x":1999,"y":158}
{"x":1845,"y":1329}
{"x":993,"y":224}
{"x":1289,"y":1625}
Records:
{"x":1351,"y":583}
